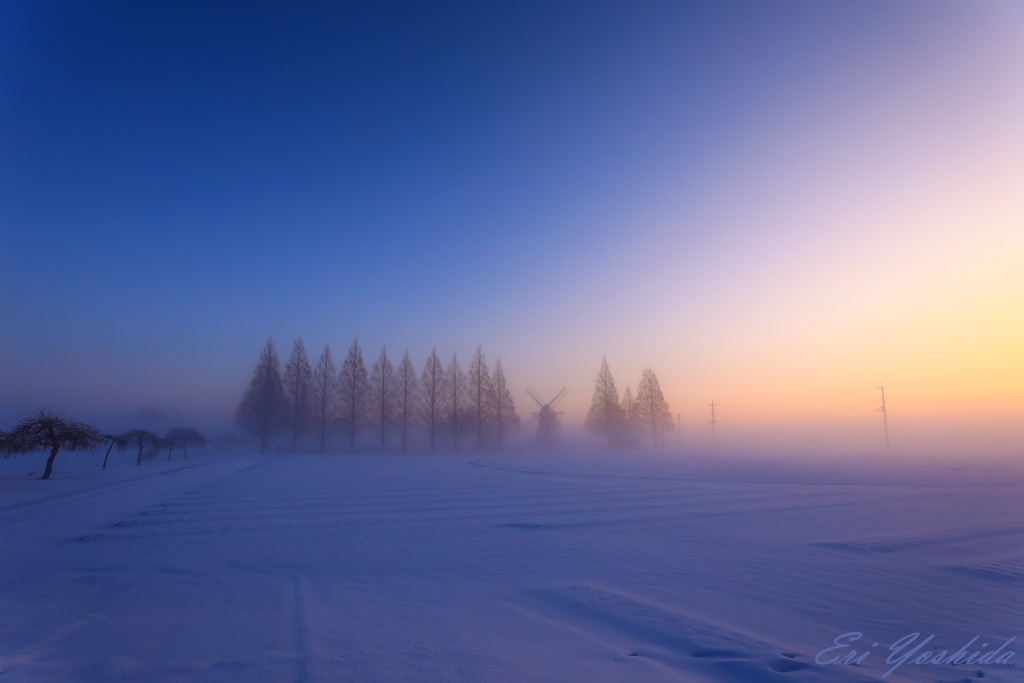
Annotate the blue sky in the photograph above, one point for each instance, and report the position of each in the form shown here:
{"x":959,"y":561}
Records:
{"x":670,"y":184}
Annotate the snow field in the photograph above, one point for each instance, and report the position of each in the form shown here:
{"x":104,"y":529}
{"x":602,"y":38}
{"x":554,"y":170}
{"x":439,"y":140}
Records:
{"x":511,"y":567}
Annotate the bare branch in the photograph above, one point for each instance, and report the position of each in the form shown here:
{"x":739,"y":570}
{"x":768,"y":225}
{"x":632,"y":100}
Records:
{"x":55,"y":432}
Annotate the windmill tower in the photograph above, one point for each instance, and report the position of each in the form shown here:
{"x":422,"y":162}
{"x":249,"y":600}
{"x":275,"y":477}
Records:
{"x":547,"y":417}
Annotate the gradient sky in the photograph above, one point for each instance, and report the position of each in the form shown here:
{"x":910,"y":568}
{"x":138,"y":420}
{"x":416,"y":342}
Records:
{"x":776,"y":205}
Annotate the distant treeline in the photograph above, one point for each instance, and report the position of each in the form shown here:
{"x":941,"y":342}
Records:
{"x":439,"y":406}
{"x":443,"y":404}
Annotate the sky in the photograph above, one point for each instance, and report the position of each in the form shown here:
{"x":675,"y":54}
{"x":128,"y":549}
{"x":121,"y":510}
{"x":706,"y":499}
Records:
{"x":776,"y":206}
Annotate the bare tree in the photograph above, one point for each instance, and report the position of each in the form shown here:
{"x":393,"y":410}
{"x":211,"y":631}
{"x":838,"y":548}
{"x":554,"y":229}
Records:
{"x":227,"y":442}
{"x":140,"y":438}
{"x":354,"y":385}
{"x":45,"y":430}
{"x":183,"y":437}
{"x":114,"y":440}
{"x":407,"y":391}
{"x":325,"y":393}
{"x":298,"y":385}
{"x":263,"y":406}
{"x":432,"y":385}
{"x":479,"y":394}
{"x":383,"y":396}
{"x":652,"y":410}
{"x":605,"y":416}
{"x":455,"y":396}
{"x":503,"y":408}
{"x":170,"y":441}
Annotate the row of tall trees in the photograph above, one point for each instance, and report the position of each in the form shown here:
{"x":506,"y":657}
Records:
{"x":389,"y":401}
{"x":47,"y":431}
{"x":616,"y":420}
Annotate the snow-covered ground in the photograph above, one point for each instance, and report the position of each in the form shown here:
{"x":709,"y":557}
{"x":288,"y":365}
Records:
{"x":505,"y":567}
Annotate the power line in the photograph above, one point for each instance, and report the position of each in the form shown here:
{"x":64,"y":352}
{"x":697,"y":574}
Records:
{"x":791,"y":401}
{"x":865,"y":390}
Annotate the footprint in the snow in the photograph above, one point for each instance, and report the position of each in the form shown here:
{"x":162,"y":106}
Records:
{"x":785,"y":666}
{"x":712,"y":652}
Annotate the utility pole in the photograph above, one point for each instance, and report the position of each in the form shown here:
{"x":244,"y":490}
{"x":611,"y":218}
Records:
{"x":885,"y":419}
{"x":712,"y":421}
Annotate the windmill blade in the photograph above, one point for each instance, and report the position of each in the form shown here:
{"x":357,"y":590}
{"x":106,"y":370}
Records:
{"x":558,"y":396}
{"x":532,"y":420}
{"x":534,"y":397}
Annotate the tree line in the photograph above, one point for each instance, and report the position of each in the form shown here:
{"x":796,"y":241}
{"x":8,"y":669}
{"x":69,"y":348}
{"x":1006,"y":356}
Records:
{"x":46,"y":430}
{"x":444,"y":403}
{"x":392,"y":403}
{"x":620,"y":420}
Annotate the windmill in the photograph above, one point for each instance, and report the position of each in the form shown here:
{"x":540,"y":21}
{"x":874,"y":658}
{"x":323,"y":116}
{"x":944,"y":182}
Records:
{"x":546,"y":417}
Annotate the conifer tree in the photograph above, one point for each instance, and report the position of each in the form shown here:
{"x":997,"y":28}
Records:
{"x":263,"y":406}
{"x":383,"y":396}
{"x":354,"y":386}
{"x":480,"y":394}
{"x":298,"y":389}
{"x":606,"y":416}
{"x":455,"y":396}
{"x":503,"y":407}
{"x":432,"y":393}
{"x":652,"y":410}
{"x":628,"y":407}
{"x":324,"y":393}
{"x":407,"y":392}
